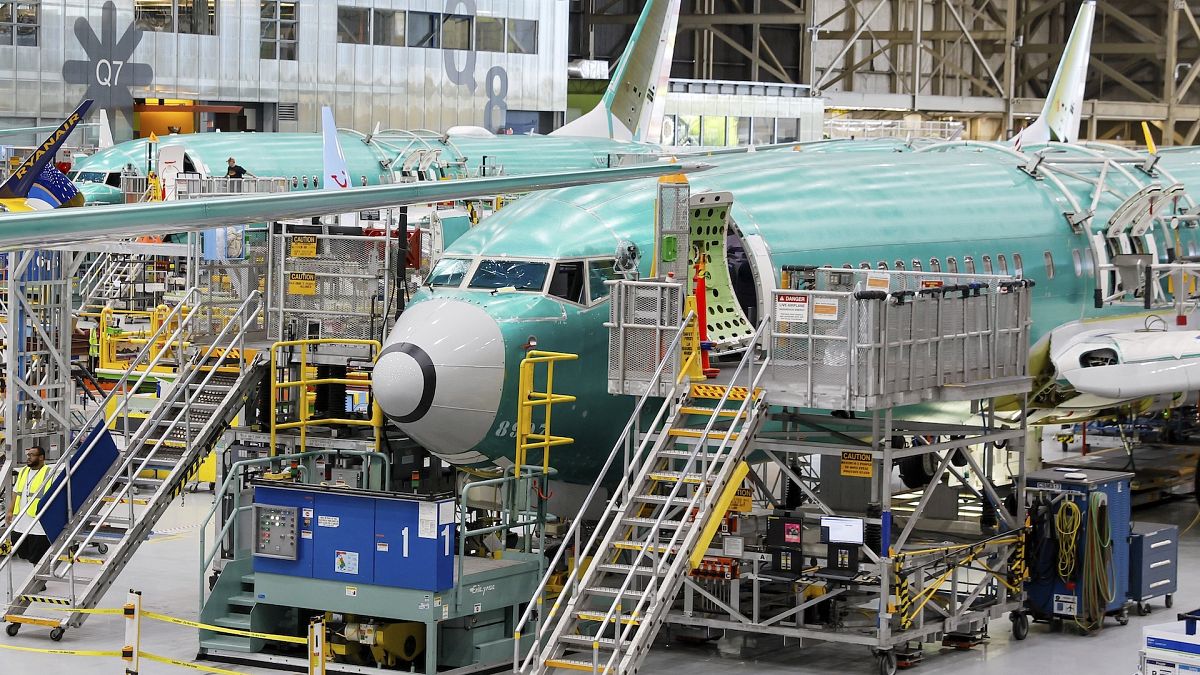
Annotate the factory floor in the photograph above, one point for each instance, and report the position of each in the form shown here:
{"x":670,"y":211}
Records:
{"x":165,"y":570}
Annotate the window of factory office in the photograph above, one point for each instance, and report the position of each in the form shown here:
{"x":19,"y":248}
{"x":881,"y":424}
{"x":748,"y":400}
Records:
{"x":194,"y":17}
{"x":19,"y":23}
{"x":278,"y":29}
{"x":435,"y":30}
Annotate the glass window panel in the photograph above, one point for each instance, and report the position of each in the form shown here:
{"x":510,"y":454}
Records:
{"x":153,"y":15}
{"x":268,"y":50}
{"x":287,"y":30}
{"x":6,"y":12}
{"x":6,"y":34}
{"x":489,"y":34}
{"x":522,"y":36}
{"x":568,"y":281}
{"x":456,"y":32}
{"x":424,"y":29}
{"x":789,"y":130}
{"x":198,"y":17}
{"x":27,"y":13}
{"x":742,"y":129}
{"x":269,"y":30}
{"x":287,"y":11}
{"x":26,"y":36}
{"x":389,"y":28}
{"x":449,"y":272}
{"x":268,"y":9}
{"x":688,"y":130}
{"x":521,"y":275}
{"x":714,"y":130}
{"x":600,"y":271}
{"x":354,"y":25}
{"x":287,"y":51}
{"x":764,"y":131}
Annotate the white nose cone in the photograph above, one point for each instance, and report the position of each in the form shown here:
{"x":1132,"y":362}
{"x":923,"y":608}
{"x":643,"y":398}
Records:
{"x":441,"y":375}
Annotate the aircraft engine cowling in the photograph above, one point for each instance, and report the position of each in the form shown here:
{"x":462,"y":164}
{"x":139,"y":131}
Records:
{"x":1124,"y":365}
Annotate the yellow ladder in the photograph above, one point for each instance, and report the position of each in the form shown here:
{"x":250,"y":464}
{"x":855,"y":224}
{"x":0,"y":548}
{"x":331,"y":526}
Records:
{"x":530,"y":399}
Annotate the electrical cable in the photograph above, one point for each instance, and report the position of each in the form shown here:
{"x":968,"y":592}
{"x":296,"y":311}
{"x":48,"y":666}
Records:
{"x":1066,"y":526}
{"x":1099,"y":576}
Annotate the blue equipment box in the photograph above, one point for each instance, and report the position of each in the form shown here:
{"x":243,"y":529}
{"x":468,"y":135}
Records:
{"x":366,"y":538}
{"x":1048,"y":594}
{"x":1153,"y":561}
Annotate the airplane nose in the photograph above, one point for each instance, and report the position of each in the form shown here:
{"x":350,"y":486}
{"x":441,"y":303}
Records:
{"x":440,"y":377}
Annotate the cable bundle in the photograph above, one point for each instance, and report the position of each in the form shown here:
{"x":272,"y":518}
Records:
{"x":1099,"y":577}
{"x":1066,"y":525}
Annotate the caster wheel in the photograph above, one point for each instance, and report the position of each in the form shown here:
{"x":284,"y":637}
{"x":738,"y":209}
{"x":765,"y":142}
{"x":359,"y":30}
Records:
{"x":56,"y":634}
{"x":1020,"y":626}
{"x":887,"y":662}
{"x":12,"y":629}
{"x":1169,"y":601}
{"x":102,"y":548}
{"x":1123,"y":618}
{"x":1143,"y":608}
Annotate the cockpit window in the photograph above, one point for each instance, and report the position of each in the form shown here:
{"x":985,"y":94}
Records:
{"x":98,"y":177}
{"x":449,"y":272}
{"x":599,"y":271}
{"x":567,"y":281}
{"x":518,"y":274}
{"x":113,"y":179}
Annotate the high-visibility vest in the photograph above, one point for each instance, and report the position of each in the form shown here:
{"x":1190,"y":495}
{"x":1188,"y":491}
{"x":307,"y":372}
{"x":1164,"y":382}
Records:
{"x":31,"y":487}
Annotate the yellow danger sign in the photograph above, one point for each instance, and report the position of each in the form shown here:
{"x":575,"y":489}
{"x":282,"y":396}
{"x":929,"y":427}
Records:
{"x":302,"y":283}
{"x":742,"y":500}
{"x":303,"y":246}
{"x":857,"y":464}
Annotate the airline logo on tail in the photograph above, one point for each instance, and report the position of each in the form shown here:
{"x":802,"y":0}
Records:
{"x":38,"y":175}
{"x":1063,"y":109}
{"x":337,"y":174}
{"x":632,"y":107}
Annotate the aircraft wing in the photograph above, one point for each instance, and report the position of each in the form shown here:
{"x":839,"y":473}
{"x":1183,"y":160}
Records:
{"x":68,"y":226}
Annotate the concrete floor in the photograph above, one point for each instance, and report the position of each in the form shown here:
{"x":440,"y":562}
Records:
{"x":165,"y":569}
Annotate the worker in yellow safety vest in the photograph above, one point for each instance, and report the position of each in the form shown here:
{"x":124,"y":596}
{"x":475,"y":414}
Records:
{"x":32,"y":481}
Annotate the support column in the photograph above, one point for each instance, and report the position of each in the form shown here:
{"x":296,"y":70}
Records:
{"x":1172,"y":40}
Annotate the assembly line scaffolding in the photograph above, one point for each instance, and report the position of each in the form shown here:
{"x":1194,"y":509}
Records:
{"x":847,"y":369}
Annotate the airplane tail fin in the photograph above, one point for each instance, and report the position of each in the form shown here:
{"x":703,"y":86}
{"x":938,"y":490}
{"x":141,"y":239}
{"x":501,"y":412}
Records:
{"x":337,"y":174}
{"x":1063,"y":109}
{"x":632,"y":107}
{"x":24,"y":178}
{"x":106,"y":135}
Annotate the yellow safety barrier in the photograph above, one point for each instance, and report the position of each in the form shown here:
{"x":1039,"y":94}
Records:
{"x":305,"y":421}
{"x":529,"y":399}
{"x":131,"y":649}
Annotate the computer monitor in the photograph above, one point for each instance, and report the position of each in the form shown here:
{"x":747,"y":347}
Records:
{"x":785,"y":532}
{"x":838,"y":530}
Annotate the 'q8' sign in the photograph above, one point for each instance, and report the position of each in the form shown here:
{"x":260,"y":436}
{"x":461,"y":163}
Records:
{"x":495,"y":111}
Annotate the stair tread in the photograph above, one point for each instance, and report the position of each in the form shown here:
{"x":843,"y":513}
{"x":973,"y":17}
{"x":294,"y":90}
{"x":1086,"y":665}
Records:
{"x":716,"y":434}
{"x":701,"y":410}
{"x":673,"y":476}
{"x":242,"y":600}
{"x":573,"y":664}
{"x":610,"y":592}
{"x":587,"y":640}
{"x":228,"y":642}
{"x":241,"y":621}
{"x":589,"y":615}
{"x":622,"y":568}
{"x":649,"y":522}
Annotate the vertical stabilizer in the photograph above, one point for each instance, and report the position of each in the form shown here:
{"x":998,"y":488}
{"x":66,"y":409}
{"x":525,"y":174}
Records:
{"x":632,"y":107}
{"x":30,"y":171}
{"x":1063,"y":110}
{"x":337,"y":175}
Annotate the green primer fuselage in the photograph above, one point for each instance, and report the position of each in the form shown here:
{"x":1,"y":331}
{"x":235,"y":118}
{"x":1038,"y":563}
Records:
{"x":809,"y":209}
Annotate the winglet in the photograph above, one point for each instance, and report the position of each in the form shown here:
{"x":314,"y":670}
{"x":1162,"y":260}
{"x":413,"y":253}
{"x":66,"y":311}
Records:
{"x":106,"y":135}
{"x":1063,"y":109}
{"x":23,"y":178}
{"x":337,"y":174}
{"x":632,"y":107}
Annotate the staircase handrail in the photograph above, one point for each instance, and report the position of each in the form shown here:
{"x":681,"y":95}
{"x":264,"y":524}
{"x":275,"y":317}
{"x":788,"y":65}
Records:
{"x":64,"y":462}
{"x":256,"y":298}
{"x":622,"y":443}
{"x":654,"y":586}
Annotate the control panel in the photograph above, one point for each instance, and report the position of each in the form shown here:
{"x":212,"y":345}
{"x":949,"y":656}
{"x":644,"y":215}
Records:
{"x":275,"y":535}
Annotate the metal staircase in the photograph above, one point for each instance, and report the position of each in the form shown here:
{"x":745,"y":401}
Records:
{"x":118,"y":515}
{"x":679,"y":478}
{"x":106,"y":279}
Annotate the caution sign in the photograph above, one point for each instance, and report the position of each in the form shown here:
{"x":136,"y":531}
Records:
{"x":825,"y":309}
{"x":879,"y":281}
{"x":932,"y":283}
{"x":302,"y":283}
{"x":791,"y":308}
{"x":857,"y":464}
{"x":742,"y":500}
{"x":303,"y":246}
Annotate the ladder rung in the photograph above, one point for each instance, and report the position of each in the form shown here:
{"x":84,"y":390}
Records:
{"x":649,"y":522}
{"x":653,"y":499}
{"x":608,"y":592}
{"x":572,"y":664}
{"x":675,"y":477}
{"x":136,"y":502}
{"x":589,"y":640}
{"x":699,"y":433}
{"x":708,"y":412}
{"x":619,"y":568}
{"x":627,"y":619}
